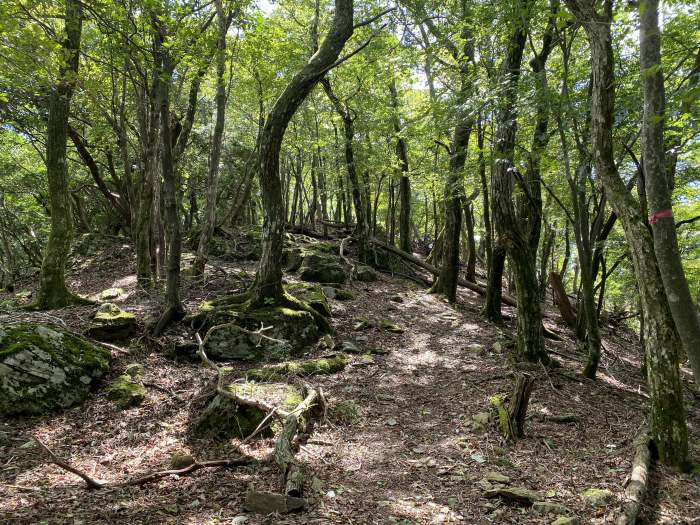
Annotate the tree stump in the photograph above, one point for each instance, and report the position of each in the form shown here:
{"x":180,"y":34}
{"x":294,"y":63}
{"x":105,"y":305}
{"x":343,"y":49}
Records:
{"x":511,"y":418}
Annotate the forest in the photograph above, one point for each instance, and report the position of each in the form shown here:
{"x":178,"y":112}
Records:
{"x":349,"y":262}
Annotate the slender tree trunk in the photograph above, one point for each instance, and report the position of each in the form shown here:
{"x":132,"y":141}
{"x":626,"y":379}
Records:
{"x":215,"y":157}
{"x":658,"y":188}
{"x":53,"y":292}
{"x":405,"y":183}
{"x":268,"y":281}
{"x":668,"y":420}
{"x":471,"y":243}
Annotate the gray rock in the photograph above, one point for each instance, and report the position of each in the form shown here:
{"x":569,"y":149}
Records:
{"x":365,"y":273}
{"x":111,"y":294}
{"x":44,"y":368}
{"x":596,"y":497}
{"x":112,"y":323}
{"x":497,"y":477}
{"x":126,"y":392}
{"x":520,"y":495}
{"x":549,"y":507}
{"x":565,"y":520}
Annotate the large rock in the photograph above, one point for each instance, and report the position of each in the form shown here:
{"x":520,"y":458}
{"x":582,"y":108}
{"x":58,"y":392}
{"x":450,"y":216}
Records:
{"x":322,"y":267}
{"x":312,"y":294}
{"x":44,"y":368}
{"x":126,"y":391}
{"x":111,"y":323}
{"x":223,"y":418}
{"x":289,"y":332}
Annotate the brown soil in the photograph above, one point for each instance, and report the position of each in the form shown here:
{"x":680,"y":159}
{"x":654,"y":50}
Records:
{"x":412,"y":454}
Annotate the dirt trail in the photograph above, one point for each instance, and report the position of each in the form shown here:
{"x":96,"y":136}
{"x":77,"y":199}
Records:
{"x":402,"y":447}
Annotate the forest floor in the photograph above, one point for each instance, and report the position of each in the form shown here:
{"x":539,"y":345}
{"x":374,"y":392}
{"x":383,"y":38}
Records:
{"x":402,"y":448}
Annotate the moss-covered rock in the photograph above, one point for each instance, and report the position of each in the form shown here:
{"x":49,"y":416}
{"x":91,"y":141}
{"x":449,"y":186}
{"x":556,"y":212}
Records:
{"x":365,"y":273}
{"x":111,"y":323}
{"x":44,"y":368}
{"x":596,"y":497}
{"x":126,"y":391}
{"x":321,"y":267}
{"x":290,"y":332}
{"x":110,"y":294}
{"x":223,"y":418}
{"x":313,"y":295}
{"x":311,"y":367}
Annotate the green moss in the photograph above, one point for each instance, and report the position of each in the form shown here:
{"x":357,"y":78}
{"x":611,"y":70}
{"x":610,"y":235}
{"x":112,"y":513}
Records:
{"x":126,"y":392}
{"x":222,"y":418}
{"x":498,"y":402}
{"x":344,"y":295}
{"x":43,"y":368}
{"x":344,"y":412}
{"x":323,"y":366}
{"x":311,"y":294}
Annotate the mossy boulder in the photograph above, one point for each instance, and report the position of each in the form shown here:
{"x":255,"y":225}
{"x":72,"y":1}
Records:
{"x":126,"y":391}
{"x":321,"y":267}
{"x":313,"y":295}
{"x":365,"y":273}
{"x":111,"y":323}
{"x":286,"y":332}
{"x":44,"y":368}
{"x":222,"y":418}
{"x":110,"y":294}
{"x":596,"y":497}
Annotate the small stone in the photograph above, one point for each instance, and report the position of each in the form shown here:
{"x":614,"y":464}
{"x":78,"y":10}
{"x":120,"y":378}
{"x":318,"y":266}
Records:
{"x":239,"y":520}
{"x":484,"y":485}
{"x":329,"y":291}
{"x":519,"y":495}
{"x":475,"y":349}
{"x":596,"y":497}
{"x":497,"y":348}
{"x":126,"y":392}
{"x":565,"y":520}
{"x":110,"y":294}
{"x":317,"y":485}
{"x":392,"y":422}
{"x":496,"y":477}
{"x":134,"y":370}
{"x":481,"y":421}
{"x":350,"y":348}
{"x":549,"y":507}
{"x":396,"y":298}
{"x":179,"y":460}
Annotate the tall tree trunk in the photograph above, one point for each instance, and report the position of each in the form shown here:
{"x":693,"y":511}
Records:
{"x":667,"y":421}
{"x":515,"y":238}
{"x":658,"y":188}
{"x":405,"y":183}
{"x":215,"y":157}
{"x":358,"y":195}
{"x":174,"y":309}
{"x":268,"y":281}
{"x":53,"y":292}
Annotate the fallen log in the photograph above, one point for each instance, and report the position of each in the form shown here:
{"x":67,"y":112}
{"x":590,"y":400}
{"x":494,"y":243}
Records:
{"x":510,"y":301}
{"x":639,"y":480}
{"x":296,"y":424}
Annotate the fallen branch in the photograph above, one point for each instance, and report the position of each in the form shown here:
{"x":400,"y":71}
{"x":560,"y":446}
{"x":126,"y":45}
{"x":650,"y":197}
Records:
{"x":510,"y":301}
{"x":296,"y":424}
{"x":141,"y":480}
{"x":639,"y":479}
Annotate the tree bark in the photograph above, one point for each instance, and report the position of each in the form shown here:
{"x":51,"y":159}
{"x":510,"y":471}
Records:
{"x":268,"y":281}
{"x":53,"y":292}
{"x":668,"y":420}
{"x":209,"y":222}
{"x":658,"y":188}
{"x":404,"y":182}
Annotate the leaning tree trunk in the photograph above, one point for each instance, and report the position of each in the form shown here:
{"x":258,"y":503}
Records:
{"x":213,"y":173}
{"x":668,"y":421}
{"x":658,"y":188}
{"x":268,"y":281}
{"x":53,"y":292}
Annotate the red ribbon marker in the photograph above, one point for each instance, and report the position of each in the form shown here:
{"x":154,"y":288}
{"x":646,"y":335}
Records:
{"x":663,"y":214}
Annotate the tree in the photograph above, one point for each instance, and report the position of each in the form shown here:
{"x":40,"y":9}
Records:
{"x":268,"y":280}
{"x":668,"y":424}
{"x":53,"y":292}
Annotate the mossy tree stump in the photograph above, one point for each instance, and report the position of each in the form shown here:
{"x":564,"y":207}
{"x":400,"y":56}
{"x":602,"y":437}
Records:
{"x":511,"y":418}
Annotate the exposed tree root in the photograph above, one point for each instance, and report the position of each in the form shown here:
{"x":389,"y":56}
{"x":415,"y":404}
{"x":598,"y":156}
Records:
{"x":141,"y":480}
{"x":638,"y":481}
